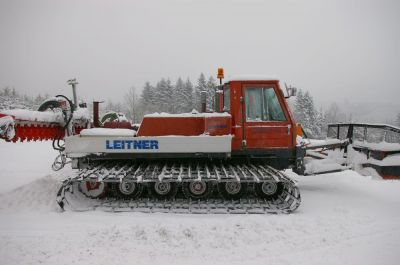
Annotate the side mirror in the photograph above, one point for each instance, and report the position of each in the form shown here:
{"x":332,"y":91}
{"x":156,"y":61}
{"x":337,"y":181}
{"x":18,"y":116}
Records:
{"x":291,"y":91}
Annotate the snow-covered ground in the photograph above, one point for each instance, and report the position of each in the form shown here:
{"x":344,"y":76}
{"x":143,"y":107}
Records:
{"x":24,"y":162}
{"x":344,"y":218}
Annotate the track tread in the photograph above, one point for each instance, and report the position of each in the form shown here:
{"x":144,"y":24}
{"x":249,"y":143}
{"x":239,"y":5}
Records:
{"x":181,"y":173}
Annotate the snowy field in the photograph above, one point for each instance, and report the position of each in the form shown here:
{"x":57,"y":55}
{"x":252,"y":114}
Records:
{"x":344,"y":218}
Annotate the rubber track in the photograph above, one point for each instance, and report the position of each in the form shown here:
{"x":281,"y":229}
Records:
{"x":70,"y":198}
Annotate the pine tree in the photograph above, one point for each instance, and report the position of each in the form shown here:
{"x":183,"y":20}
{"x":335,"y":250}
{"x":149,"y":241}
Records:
{"x":312,"y":116}
{"x":299,"y":108}
{"x":14,"y":93}
{"x":163,"y":96}
{"x":188,"y":96}
{"x":305,"y":113}
{"x":211,"y":87}
{"x":201,"y":86}
{"x":6,"y":91}
{"x":179,"y":96}
{"x":322,"y":122}
{"x":157,"y":96}
{"x":168,"y":94}
{"x":148,"y":99}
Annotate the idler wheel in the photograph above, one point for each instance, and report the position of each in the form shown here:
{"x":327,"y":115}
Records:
{"x":269,"y":190}
{"x":163,"y":190}
{"x":232,"y":190}
{"x":197,"y":189}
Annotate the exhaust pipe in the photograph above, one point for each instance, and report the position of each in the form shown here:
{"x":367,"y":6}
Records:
{"x":96,"y":116}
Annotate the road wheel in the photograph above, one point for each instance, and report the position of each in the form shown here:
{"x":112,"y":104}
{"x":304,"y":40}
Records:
{"x":269,"y":190}
{"x":163,"y":190}
{"x":197,"y":189}
{"x":232,"y":190}
{"x":129,"y":189}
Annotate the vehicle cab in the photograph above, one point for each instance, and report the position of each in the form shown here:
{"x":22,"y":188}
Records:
{"x":262,"y":124}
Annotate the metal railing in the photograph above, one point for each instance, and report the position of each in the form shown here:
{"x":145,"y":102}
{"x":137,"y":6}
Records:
{"x":365,"y":132}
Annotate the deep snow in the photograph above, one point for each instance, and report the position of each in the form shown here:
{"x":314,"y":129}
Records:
{"x":344,"y":218}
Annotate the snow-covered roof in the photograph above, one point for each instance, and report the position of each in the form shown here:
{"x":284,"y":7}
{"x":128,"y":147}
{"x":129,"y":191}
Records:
{"x":250,"y":78}
{"x":107,"y":132}
{"x":186,"y":115}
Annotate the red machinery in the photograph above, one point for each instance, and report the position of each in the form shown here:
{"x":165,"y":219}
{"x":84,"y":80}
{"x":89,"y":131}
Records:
{"x":226,"y":161}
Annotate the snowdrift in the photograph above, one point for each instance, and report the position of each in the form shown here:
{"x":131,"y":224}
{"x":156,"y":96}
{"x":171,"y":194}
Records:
{"x":38,"y":195}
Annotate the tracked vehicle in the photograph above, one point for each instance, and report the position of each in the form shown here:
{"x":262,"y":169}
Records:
{"x":227,"y":161}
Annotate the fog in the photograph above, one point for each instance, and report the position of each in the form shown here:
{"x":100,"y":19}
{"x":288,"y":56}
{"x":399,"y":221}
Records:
{"x":343,"y":51}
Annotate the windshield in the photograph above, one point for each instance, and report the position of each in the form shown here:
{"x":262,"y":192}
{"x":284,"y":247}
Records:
{"x":262,"y":104}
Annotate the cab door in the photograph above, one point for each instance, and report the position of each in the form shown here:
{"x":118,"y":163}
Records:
{"x":267,"y":123}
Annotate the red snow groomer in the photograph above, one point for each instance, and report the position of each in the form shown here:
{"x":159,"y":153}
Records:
{"x":227,"y":161}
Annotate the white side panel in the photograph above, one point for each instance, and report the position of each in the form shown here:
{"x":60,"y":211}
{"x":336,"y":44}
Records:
{"x":78,"y":146}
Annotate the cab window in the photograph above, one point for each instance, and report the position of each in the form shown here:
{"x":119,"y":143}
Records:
{"x":227,"y":99}
{"x":262,"y":104}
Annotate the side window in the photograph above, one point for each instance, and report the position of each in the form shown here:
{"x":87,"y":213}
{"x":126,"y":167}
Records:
{"x":227,"y":99}
{"x":262,"y":104}
{"x":254,"y":104}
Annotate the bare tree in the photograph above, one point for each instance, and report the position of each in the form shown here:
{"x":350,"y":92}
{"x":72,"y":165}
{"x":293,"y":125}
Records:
{"x":131,"y":105}
{"x":398,"y":120}
{"x":333,"y":114}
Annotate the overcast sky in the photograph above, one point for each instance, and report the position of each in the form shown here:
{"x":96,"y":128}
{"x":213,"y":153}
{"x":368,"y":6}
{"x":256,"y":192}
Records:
{"x":335,"y":49}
